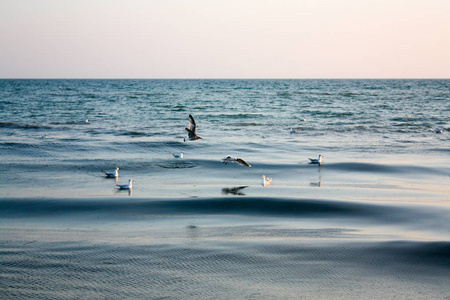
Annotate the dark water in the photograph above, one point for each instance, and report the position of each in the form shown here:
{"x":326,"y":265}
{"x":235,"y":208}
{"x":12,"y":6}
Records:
{"x":371,"y":222}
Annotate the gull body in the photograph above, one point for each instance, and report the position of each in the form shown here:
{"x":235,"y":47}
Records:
{"x":126,"y":186}
{"x":317,"y":161}
{"x":111,"y":174}
{"x":266,"y":181}
{"x":178,"y":155}
{"x":236,"y":160}
{"x":192,"y":131}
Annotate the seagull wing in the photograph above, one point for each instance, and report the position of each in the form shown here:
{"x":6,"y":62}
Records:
{"x":192,"y":125}
{"x":242,"y":162}
{"x":191,"y":134}
{"x":109,"y":174}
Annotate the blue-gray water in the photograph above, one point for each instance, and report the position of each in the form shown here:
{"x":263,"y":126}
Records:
{"x":197,"y":228}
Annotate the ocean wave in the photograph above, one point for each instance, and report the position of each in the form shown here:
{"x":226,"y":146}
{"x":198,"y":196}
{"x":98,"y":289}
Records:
{"x":383,"y":168}
{"x":177,"y":165}
{"x":13,"y":125}
{"x":244,"y":206}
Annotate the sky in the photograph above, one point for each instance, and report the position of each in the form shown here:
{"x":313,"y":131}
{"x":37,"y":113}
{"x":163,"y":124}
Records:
{"x":224,"y":39}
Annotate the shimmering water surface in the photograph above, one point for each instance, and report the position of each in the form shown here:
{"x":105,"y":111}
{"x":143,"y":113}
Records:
{"x":370,"y":222}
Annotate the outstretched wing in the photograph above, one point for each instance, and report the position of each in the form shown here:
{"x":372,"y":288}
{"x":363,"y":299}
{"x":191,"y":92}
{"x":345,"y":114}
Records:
{"x":191,"y":134}
{"x":192,"y":125}
{"x":242,"y":162}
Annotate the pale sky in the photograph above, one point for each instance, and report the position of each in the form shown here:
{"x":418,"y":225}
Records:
{"x":224,"y":39}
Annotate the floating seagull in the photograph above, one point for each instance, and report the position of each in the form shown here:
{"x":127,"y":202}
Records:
{"x":178,"y":155}
{"x":317,"y":161}
{"x":235,"y":159}
{"x":293,"y":130}
{"x":112,"y":174}
{"x":266,"y":181}
{"x":192,"y":131}
{"x":128,"y":186}
{"x":87,"y":120}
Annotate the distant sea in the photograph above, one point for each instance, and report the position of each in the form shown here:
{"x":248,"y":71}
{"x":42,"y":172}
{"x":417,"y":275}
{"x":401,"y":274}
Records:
{"x":371,"y":222}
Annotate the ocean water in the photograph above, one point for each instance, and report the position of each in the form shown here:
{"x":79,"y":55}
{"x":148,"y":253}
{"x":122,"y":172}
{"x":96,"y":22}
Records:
{"x":377,"y":132}
{"x":371,"y":221}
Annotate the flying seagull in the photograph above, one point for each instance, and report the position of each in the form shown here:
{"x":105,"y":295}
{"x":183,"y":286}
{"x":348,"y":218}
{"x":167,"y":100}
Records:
{"x":316,"y":161}
{"x":235,"y":159}
{"x":192,"y":131}
{"x":128,"y":186}
{"x":112,"y":174}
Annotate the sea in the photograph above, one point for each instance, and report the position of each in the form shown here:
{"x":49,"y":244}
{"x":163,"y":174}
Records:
{"x":370,"y":222}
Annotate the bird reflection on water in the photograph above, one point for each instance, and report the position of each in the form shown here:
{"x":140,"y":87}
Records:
{"x":234,"y":191}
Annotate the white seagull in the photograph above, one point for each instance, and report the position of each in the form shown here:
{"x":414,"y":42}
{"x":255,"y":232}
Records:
{"x":317,"y":161}
{"x":128,"y":186}
{"x":178,"y":155}
{"x":235,"y":159}
{"x":266,"y":181}
{"x":192,"y":131}
{"x":112,"y":174}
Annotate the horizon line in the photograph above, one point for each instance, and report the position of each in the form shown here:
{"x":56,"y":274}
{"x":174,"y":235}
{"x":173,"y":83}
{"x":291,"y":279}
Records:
{"x":219,"y":78}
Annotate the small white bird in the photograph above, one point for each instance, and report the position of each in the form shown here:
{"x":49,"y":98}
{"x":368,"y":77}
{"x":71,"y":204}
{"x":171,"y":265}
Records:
{"x":192,"y":131}
{"x":111,"y":174}
{"x":178,"y":155}
{"x":237,"y":160}
{"x":266,"y":181}
{"x":128,"y":186}
{"x":293,"y":130}
{"x":317,"y":161}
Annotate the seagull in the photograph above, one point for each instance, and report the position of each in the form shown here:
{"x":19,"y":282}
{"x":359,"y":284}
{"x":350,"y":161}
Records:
{"x":317,"y":161}
{"x":178,"y":155}
{"x":266,"y":181}
{"x":235,"y":159}
{"x":192,"y":131}
{"x":293,"y":130}
{"x":112,"y":174}
{"x":128,"y":186}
